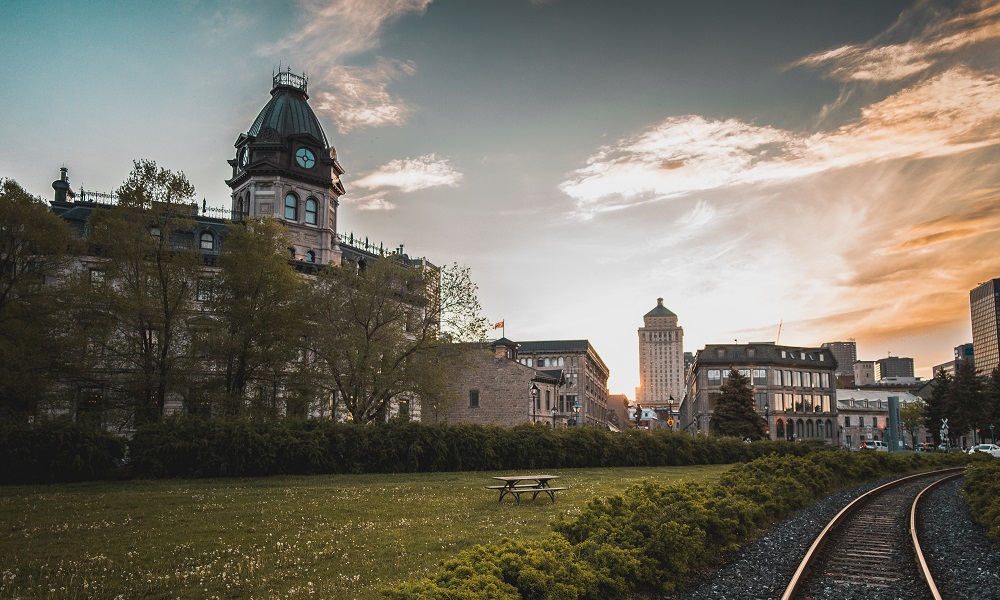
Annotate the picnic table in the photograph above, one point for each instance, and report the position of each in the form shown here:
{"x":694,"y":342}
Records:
{"x":512,"y":485}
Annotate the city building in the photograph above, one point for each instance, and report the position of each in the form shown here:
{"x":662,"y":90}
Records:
{"x":964,"y":352}
{"x":661,"y":359}
{"x":619,"y":405}
{"x":864,"y":414}
{"x":894,"y":368}
{"x":794,"y":388}
{"x":491,"y":387}
{"x":984,"y":303}
{"x":846,"y":354}
{"x":864,"y":372}
{"x":284,"y":168}
{"x":586,"y":390}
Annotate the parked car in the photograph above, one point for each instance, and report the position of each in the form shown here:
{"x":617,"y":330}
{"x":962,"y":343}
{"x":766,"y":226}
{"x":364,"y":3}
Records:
{"x":925,"y":447}
{"x":991,"y":449}
{"x":873,"y":445}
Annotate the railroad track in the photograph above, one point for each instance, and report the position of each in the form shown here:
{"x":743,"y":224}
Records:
{"x":870,"y":549}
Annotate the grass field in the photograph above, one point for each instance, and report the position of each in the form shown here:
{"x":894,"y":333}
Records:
{"x":337,"y":536}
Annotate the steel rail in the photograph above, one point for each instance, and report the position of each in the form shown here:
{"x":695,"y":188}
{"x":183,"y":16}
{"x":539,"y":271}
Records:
{"x":799,"y":577}
{"x":922,"y":568}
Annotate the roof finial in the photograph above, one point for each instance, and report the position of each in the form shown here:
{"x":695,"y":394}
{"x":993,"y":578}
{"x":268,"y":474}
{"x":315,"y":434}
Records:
{"x":659,"y":301}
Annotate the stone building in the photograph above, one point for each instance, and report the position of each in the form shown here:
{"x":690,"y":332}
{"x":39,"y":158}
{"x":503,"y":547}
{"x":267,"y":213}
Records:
{"x":492,"y":388}
{"x":863,"y":415}
{"x":661,"y":359}
{"x":794,"y":388}
{"x":585,"y":395}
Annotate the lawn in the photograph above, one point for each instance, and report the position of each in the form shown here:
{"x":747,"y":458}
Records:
{"x":327,"y":536}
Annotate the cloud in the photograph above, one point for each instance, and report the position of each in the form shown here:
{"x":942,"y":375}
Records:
{"x":938,"y":41}
{"x":370,"y":202}
{"x":360,"y":96}
{"x":329,"y":33}
{"x":412,"y":174}
{"x":956,"y":111}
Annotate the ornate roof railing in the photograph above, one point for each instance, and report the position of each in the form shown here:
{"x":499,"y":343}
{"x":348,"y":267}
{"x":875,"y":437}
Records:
{"x":290,"y":79}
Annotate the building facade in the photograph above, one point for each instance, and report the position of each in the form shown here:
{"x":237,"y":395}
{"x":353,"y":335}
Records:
{"x":661,"y":358}
{"x":893,"y":367}
{"x":794,"y":388}
{"x":984,"y":304}
{"x":864,"y":372}
{"x":846,"y":354}
{"x":493,"y":388}
{"x":863,"y":415}
{"x":584,"y":397}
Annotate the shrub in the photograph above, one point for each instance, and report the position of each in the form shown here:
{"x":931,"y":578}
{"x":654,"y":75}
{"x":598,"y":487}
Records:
{"x":981,"y":489}
{"x":57,"y":451}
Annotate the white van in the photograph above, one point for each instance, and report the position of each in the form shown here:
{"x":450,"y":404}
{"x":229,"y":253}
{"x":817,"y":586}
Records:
{"x":873,"y":445}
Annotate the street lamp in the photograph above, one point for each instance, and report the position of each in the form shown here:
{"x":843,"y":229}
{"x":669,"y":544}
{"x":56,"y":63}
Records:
{"x":670,"y":412}
{"x":553,"y":417}
{"x":534,"y":400}
{"x":767,"y":420}
{"x":576,"y":412}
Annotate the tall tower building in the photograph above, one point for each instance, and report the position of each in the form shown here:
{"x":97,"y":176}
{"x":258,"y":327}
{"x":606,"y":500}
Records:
{"x":661,"y":358}
{"x":286,"y":169}
{"x":846,"y":354}
{"x":984,"y":302}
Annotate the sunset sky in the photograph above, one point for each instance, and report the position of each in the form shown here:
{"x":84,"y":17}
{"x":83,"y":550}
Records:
{"x":827,"y":165}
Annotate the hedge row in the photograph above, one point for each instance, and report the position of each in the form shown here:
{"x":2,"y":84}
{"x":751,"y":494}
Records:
{"x":981,"y":489}
{"x":214,"y":448}
{"x":649,"y":540}
{"x":193,"y":447}
{"x":57,"y":451}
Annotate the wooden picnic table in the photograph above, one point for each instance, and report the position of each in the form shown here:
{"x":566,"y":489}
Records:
{"x":512,"y":485}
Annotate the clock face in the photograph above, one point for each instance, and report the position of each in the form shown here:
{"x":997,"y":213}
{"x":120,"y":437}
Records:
{"x":244,"y":156}
{"x":305,"y":158}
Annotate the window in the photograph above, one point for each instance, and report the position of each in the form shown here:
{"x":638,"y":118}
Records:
{"x":874,"y":421}
{"x":154,"y":231}
{"x":311,"y":211}
{"x":310,"y":256}
{"x":797,"y":378}
{"x":207,"y":241}
{"x":714,"y":377}
{"x":777,"y":377}
{"x":291,"y":207}
{"x":473,"y":398}
{"x":826,"y":380}
{"x":744,"y":372}
{"x":97,"y":276}
{"x":751,"y":352}
{"x":760,"y":400}
{"x":847,"y":421}
{"x":548,"y":400}
{"x":204,"y":291}
{"x":759,"y":377}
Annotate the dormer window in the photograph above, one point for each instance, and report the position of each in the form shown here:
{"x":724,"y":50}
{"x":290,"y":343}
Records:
{"x":207,"y":241}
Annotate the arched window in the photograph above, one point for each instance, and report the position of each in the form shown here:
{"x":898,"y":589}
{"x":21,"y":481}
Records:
{"x":310,"y":256}
{"x":207,"y":240}
{"x":291,"y":207}
{"x":779,"y":426}
{"x":311,"y":211}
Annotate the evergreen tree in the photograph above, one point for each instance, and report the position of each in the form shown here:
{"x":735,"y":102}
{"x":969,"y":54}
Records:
{"x":937,"y":406}
{"x":967,"y":402}
{"x":734,"y":413}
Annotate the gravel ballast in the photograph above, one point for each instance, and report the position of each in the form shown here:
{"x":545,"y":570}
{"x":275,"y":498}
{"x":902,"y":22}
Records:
{"x":954,"y":542}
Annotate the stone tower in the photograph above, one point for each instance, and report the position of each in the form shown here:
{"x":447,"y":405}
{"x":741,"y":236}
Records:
{"x":285,"y":169}
{"x":661,"y":359}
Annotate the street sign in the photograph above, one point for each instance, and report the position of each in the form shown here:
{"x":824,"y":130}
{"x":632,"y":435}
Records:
{"x":670,"y":422}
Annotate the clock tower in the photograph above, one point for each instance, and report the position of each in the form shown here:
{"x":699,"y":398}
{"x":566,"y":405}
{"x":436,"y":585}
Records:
{"x":285,"y":169}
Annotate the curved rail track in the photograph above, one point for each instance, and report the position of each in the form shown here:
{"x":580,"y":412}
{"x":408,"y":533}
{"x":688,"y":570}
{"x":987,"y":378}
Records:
{"x":870,"y":549}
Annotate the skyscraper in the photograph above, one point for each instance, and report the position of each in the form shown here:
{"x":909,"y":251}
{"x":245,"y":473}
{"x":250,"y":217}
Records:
{"x":846,"y":354}
{"x":984,"y":302}
{"x":661,"y":358}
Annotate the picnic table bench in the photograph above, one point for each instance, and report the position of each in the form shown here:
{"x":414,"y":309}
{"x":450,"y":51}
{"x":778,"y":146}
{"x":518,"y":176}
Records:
{"x":512,"y":485}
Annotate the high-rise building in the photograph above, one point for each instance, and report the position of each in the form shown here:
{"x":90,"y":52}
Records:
{"x":661,"y":358}
{"x":984,"y":303}
{"x":893,"y":367}
{"x":846,"y":354}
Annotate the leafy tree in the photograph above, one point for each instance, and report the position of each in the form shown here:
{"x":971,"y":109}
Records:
{"x":734,"y":413}
{"x":382,"y":331}
{"x":937,"y":406}
{"x":912,"y":416}
{"x":257,"y":318}
{"x":34,"y":249}
{"x":137,"y":294}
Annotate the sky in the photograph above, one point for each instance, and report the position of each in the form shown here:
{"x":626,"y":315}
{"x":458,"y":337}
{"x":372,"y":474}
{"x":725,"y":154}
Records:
{"x":826,"y":168}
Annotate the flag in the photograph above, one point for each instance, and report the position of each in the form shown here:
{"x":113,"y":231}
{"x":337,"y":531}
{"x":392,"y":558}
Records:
{"x":498,"y":325}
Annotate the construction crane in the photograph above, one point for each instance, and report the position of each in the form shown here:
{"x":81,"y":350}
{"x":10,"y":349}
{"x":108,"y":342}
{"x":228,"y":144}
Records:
{"x":778,"y":337}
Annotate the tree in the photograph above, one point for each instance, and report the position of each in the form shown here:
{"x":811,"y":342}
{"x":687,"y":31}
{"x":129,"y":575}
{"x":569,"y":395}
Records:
{"x":936,"y":408}
{"x":734,"y":413}
{"x":34,"y":249}
{"x":382,"y":331}
{"x":138,"y":293}
{"x":967,"y":403}
{"x":257,"y":317}
{"x":992,"y":396}
{"x":912,"y":416}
